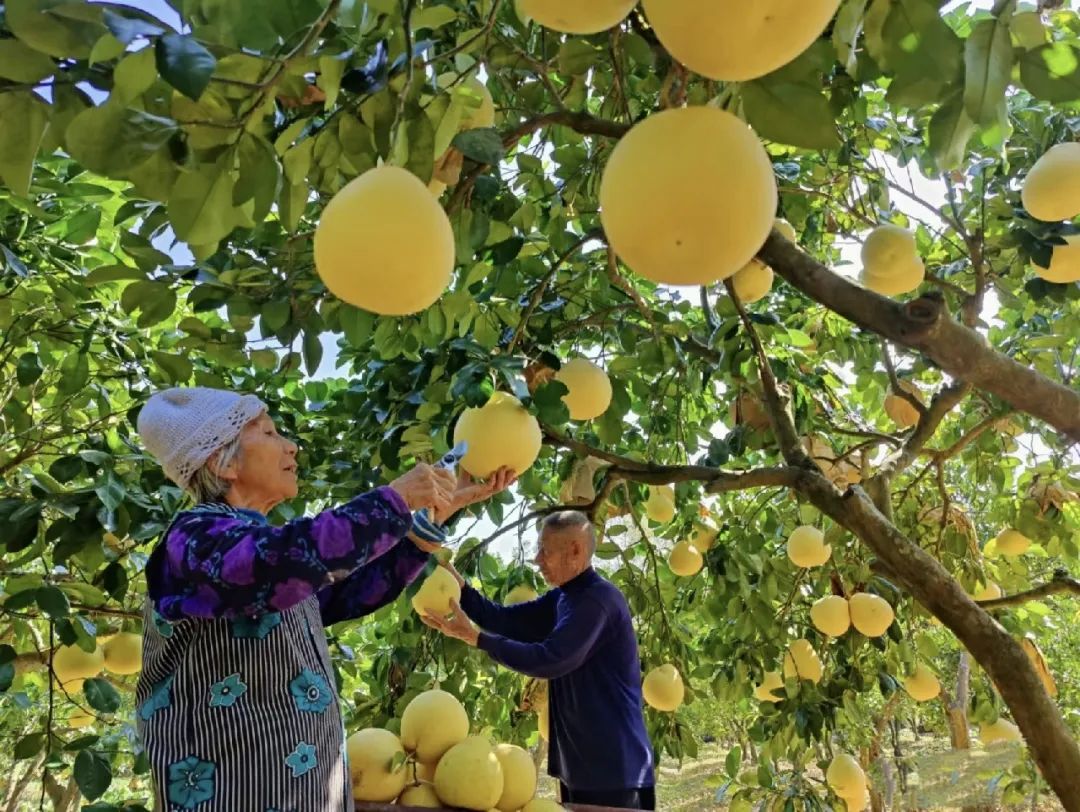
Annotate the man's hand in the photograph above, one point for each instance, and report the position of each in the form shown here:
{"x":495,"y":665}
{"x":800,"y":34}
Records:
{"x":468,"y":491}
{"x":456,"y":625}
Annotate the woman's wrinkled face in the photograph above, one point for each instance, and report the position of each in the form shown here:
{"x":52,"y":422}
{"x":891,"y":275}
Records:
{"x":264,"y":471}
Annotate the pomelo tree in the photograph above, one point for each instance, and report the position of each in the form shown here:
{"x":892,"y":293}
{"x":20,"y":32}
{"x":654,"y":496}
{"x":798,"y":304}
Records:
{"x":163,"y":177}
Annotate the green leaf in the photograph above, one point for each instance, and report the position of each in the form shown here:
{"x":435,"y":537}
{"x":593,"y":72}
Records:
{"x":156,"y":300}
{"x":548,"y":400}
{"x":128,"y":29}
{"x":52,"y":601}
{"x":111,"y":139}
{"x":292,"y":201}
{"x":846,"y":30}
{"x":201,"y":204}
{"x":133,"y":76}
{"x":313,"y":351}
{"x":101,"y":696}
{"x":112,"y":273}
{"x":483,"y":145}
{"x":184,"y":63}
{"x":21,"y":63}
{"x":92,"y":774}
{"x":29,"y":746}
{"x":576,"y":56}
{"x":1052,"y":72}
{"x":733,"y":761}
{"x":177,"y":368}
{"x":74,"y":372}
{"x":421,"y":138}
{"x":921,"y":47}
{"x":39,"y":25}
{"x":28,"y":368}
{"x":432,"y":17}
{"x":260,"y":175}
{"x":949,"y":131}
{"x":790,"y":113}
{"x":988,"y":58}
{"x":23,"y":117}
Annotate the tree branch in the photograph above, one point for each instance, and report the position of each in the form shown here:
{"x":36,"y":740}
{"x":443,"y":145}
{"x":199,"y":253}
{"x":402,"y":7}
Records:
{"x":925,"y":325}
{"x":1062,"y":582}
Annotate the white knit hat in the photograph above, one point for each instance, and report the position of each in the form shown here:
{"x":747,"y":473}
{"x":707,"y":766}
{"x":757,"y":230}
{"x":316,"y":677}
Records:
{"x":182,"y":427}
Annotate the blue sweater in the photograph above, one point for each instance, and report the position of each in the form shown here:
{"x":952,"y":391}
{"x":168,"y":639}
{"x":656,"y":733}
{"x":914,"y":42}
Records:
{"x":579,"y":637}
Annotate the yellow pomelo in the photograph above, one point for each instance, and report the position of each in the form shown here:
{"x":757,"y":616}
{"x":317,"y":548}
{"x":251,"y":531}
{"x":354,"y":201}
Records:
{"x":688,"y":196}
{"x":435,"y":594}
{"x":902,"y":413}
{"x":501,"y":432}
{"x":80,"y":719}
{"x":123,"y":653}
{"x":479,"y":106}
{"x":432,"y":723}
{"x":806,"y":547}
{"x":753,"y":281}
{"x":987,"y":592}
{"x":384,"y":244}
{"x":923,"y":685}
{"x":685,"y":559}
{"x":589,"y":388}
{"x":891,"y":261}
{"x":575,"y":16}
{"x":372,"y":753}
{"x":1064,"y":262}
{"x":870,"y":614}
{"x":469,"y":775}
{"x":72,"y":663}
{"x":786,"y":229}
{"x":421,"y":795}
{"x":845,"y":777}
{"x":521,"y":594}
{"x":771,"y":682}
{"x":1028,"y":29}
{"x":660,"y":506}
{"x":519,"y":777}
{"x":1012,"y":542}
{"x":830,"y":615}
{"x":736,"y":41}
{"x":802,"y":661}
{"x":703,"y":538}
{"x":1051,"y":190}
{"x":856,"y":803}
{"x":543,"y":805}
{"x":748,"y":409}
{"x":663,"y":688}
{"x":1000,"y":731}
{"x":72,"y":686}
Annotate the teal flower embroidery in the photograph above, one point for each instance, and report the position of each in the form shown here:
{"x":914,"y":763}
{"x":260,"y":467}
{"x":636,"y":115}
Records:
{"x":255,"y":628}
{"x":225,"y":693}
{"x":191,"y":782}
{"x":164,"y":627}
{"x":159,"y":699}
{"x":302,"y":760}
{"x":310,"y":692}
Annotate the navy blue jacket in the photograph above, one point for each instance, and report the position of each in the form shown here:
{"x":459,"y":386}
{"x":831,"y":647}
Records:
{"x":579,"y":637}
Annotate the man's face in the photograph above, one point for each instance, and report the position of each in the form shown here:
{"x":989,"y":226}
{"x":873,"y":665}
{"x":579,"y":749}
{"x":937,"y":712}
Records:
{"x":558,"y":555}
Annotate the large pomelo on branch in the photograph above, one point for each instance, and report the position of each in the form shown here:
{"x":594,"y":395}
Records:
{"x":577,"y":16}
{"x":1012,"y":542}
{"x":845,"y":777}
{"x":685,"y":559}
{"x":802,"y":661}
{"x":469,"y":775}
{"x":376,"y":765}
{"x":752,"y":281}
{"x":479,"y":106}
{"x":589,"y":389}
{"x":1051,"y":190}
{"x":1001,"y":730}
{"x":771,"y":682}
{"x":70,"y":663}
{"x":806,"y":547}
{"x":660,"y":506}
{"x":500,"y":433}
{"x":830,"y":615}
{"x":432,"y":723}
{"x":923,"y":685}
{"x":1064,"y":262}
{"x":891,"y":261}
{"x":123,"y":653}
{"x":870,"y":614}
{"x":384,"y":244}
{"x":899,"y":409}
{"x":734,"y":40}
{"x":688,"y":196}
{"x":663,"y":688}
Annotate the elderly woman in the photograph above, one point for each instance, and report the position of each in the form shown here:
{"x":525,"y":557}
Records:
{"x":237,"y":702}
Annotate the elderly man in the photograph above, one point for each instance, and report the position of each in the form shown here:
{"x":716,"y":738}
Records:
{"x":579,"y":636}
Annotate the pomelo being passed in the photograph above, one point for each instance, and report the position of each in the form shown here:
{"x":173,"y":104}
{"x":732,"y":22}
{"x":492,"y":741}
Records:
{"x":685,"y":559}
{"x":432,"y":723}
{"x":663,"y":688}
{"x":589,"y":389}
{"x":577,"y":16}
{"x":688,"y":196}
{"x":469,"y":776}
{"x":435,"y":594}
{"x":384,"y":244}
{"x":1051,"y":190}
{"x":735,"y":41}
{"x":501,"y":432}
{"x":372,"y":753}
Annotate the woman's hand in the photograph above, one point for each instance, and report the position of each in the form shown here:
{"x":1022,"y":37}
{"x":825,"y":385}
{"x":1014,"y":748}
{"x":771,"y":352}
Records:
{"x":456,"y":625}
{"x":426,"y":487}
{"x":469,"y":491}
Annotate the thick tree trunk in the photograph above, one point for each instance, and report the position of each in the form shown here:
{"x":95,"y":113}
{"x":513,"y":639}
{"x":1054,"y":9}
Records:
{"x":1052,"y":746}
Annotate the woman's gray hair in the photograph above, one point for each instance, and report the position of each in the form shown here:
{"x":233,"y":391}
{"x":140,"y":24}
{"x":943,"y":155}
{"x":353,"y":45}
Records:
{"x":205,"y":485}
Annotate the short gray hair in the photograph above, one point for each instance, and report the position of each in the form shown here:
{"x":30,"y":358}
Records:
{"x":205,"y":485}
{"x":571,"y":520}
